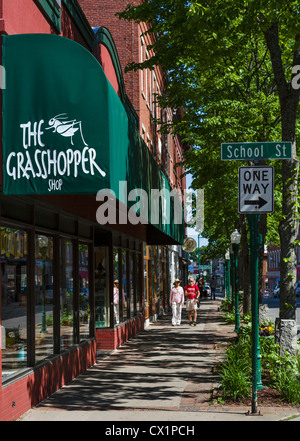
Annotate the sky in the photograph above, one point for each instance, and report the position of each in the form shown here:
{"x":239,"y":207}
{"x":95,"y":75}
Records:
{"x":190,"y":231}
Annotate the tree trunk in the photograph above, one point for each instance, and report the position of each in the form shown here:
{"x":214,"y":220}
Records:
{"x":288,"y":229}
{"x":246,"y":275}
{"x":289,"y":225}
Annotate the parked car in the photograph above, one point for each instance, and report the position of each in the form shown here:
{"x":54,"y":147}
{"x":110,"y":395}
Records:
{"x":276,"y":291}
{"x":297,"y":289}
{"x":207,"y":289}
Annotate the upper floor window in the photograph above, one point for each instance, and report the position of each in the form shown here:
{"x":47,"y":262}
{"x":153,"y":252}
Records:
{"x":142,"y":71}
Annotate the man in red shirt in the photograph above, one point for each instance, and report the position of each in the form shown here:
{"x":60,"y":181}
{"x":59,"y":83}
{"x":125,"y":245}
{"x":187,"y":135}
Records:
{"x":192,"y":292}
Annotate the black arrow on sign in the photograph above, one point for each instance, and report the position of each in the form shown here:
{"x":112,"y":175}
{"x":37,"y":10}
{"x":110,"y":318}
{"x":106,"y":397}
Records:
{"x":260,"y":202}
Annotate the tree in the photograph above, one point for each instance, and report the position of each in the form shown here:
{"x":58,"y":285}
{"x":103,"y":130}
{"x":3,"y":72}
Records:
{"x":230,"y":67}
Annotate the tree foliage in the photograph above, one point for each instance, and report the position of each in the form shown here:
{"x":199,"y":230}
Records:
{"x":229,"y":67}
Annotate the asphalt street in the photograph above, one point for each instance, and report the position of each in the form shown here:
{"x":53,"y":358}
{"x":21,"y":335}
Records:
{"x":274,"y":310}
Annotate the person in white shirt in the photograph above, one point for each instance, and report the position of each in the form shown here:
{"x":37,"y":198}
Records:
{"x":116,"y":301}
{"x":176,"y":302}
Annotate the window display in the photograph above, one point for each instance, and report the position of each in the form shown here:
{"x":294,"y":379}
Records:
{"x":123,"y":287}
{"x":102,"y":304}
{"x":116,"y":288}
{"x":13,"y":301}
{"x":84,"y":296}
{"x":43,"y":297}
{"x":66,"y":294}
{"x":132,"y":283}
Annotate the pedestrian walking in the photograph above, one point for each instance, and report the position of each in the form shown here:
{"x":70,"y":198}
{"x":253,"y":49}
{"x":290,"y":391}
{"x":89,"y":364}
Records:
{"x":200,"y":284}
{"x":176,"y":302}
{"x":192,"y":292}
{"x":116,"y":301}
{"x":213,"y":288}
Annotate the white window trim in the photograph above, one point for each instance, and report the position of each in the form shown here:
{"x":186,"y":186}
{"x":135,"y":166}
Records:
{"x":142,"y":71}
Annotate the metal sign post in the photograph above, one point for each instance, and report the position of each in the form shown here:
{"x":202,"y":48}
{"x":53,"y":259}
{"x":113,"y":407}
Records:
{"x":256,"y":357}
{"x":256,"y":196}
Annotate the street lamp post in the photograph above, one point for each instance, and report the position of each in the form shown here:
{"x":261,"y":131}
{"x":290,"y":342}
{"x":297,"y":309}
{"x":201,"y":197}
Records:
{"x":227,"y":274}
{"x":256,"y":357}
{"x":204,"y":276}
{"x":232,"y":272}
{"x":43,"y":246}
{"x":199,"y":237}
{"x":235,"y":241}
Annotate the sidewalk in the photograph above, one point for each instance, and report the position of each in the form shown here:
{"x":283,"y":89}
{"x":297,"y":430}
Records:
{"x":165,"y":373}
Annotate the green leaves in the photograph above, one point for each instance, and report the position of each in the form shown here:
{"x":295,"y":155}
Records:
{"x":220,"y":72}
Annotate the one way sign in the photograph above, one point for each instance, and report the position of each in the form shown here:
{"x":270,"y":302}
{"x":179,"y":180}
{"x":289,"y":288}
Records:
{"x":256,"y":190}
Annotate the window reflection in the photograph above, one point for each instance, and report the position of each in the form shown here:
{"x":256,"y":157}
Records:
{"x":124,"y":283}
{"x":66,"y":294}
{"x":138,"y":283}
{"x":13,"y":300}
{"x":145,"y":281}
{"x":102,"y":305}
{"x":84,"y":294}
{"x":14,"y":340}
{"x":132,"y":283}
{"x":116,"y":291}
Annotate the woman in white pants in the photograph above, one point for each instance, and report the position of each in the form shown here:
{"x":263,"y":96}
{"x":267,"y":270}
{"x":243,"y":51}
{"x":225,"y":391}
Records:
{"x":176,"y":302}
{"x":116,"y":301}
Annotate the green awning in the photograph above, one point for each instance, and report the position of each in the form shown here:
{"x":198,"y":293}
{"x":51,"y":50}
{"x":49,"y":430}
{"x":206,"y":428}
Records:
{"x":66,"y":131}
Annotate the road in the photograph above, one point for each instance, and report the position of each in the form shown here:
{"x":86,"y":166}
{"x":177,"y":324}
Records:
{"x":274,"y":310}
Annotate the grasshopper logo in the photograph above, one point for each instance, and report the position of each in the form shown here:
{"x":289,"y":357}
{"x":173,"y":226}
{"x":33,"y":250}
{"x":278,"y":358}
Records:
{"x":40,"y":159}
{"x":65,"y":128}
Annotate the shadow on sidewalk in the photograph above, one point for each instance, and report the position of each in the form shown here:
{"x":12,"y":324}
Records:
{"x":157,"y":368}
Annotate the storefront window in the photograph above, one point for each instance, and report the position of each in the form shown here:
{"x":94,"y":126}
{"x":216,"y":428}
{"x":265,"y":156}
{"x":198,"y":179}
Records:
{"x":116,"y":288}
{"x":43,"y":297}
{"x":66,"y":294}
{"x":84,"y":296}
{"x":13,"y":300}
{"x":102,"y":305}
{"x":124,"y":283}
{"x":131,"y":290}
{"x":17,"y":343}
{"x":153,"y":290}
{"x":159,"y":281}
{"x":145,"y":281}
{"x":138,"y":283}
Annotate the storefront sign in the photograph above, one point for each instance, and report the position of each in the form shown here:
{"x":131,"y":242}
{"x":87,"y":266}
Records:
{"x":50,"y":164}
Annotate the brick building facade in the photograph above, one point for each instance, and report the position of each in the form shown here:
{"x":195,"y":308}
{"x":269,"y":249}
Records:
{"x":141,"y":86}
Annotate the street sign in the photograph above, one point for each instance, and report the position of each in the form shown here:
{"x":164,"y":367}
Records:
{"x":256,"y":190}
{"x":246,"y":151}
{"x":204,"y":267}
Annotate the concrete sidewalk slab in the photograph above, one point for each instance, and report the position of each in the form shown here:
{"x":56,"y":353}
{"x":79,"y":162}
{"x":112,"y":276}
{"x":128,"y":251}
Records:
{"x":165,"y":373}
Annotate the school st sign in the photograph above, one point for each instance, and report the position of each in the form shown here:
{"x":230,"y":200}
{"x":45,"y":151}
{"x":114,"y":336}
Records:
{"x":247,"y":151}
